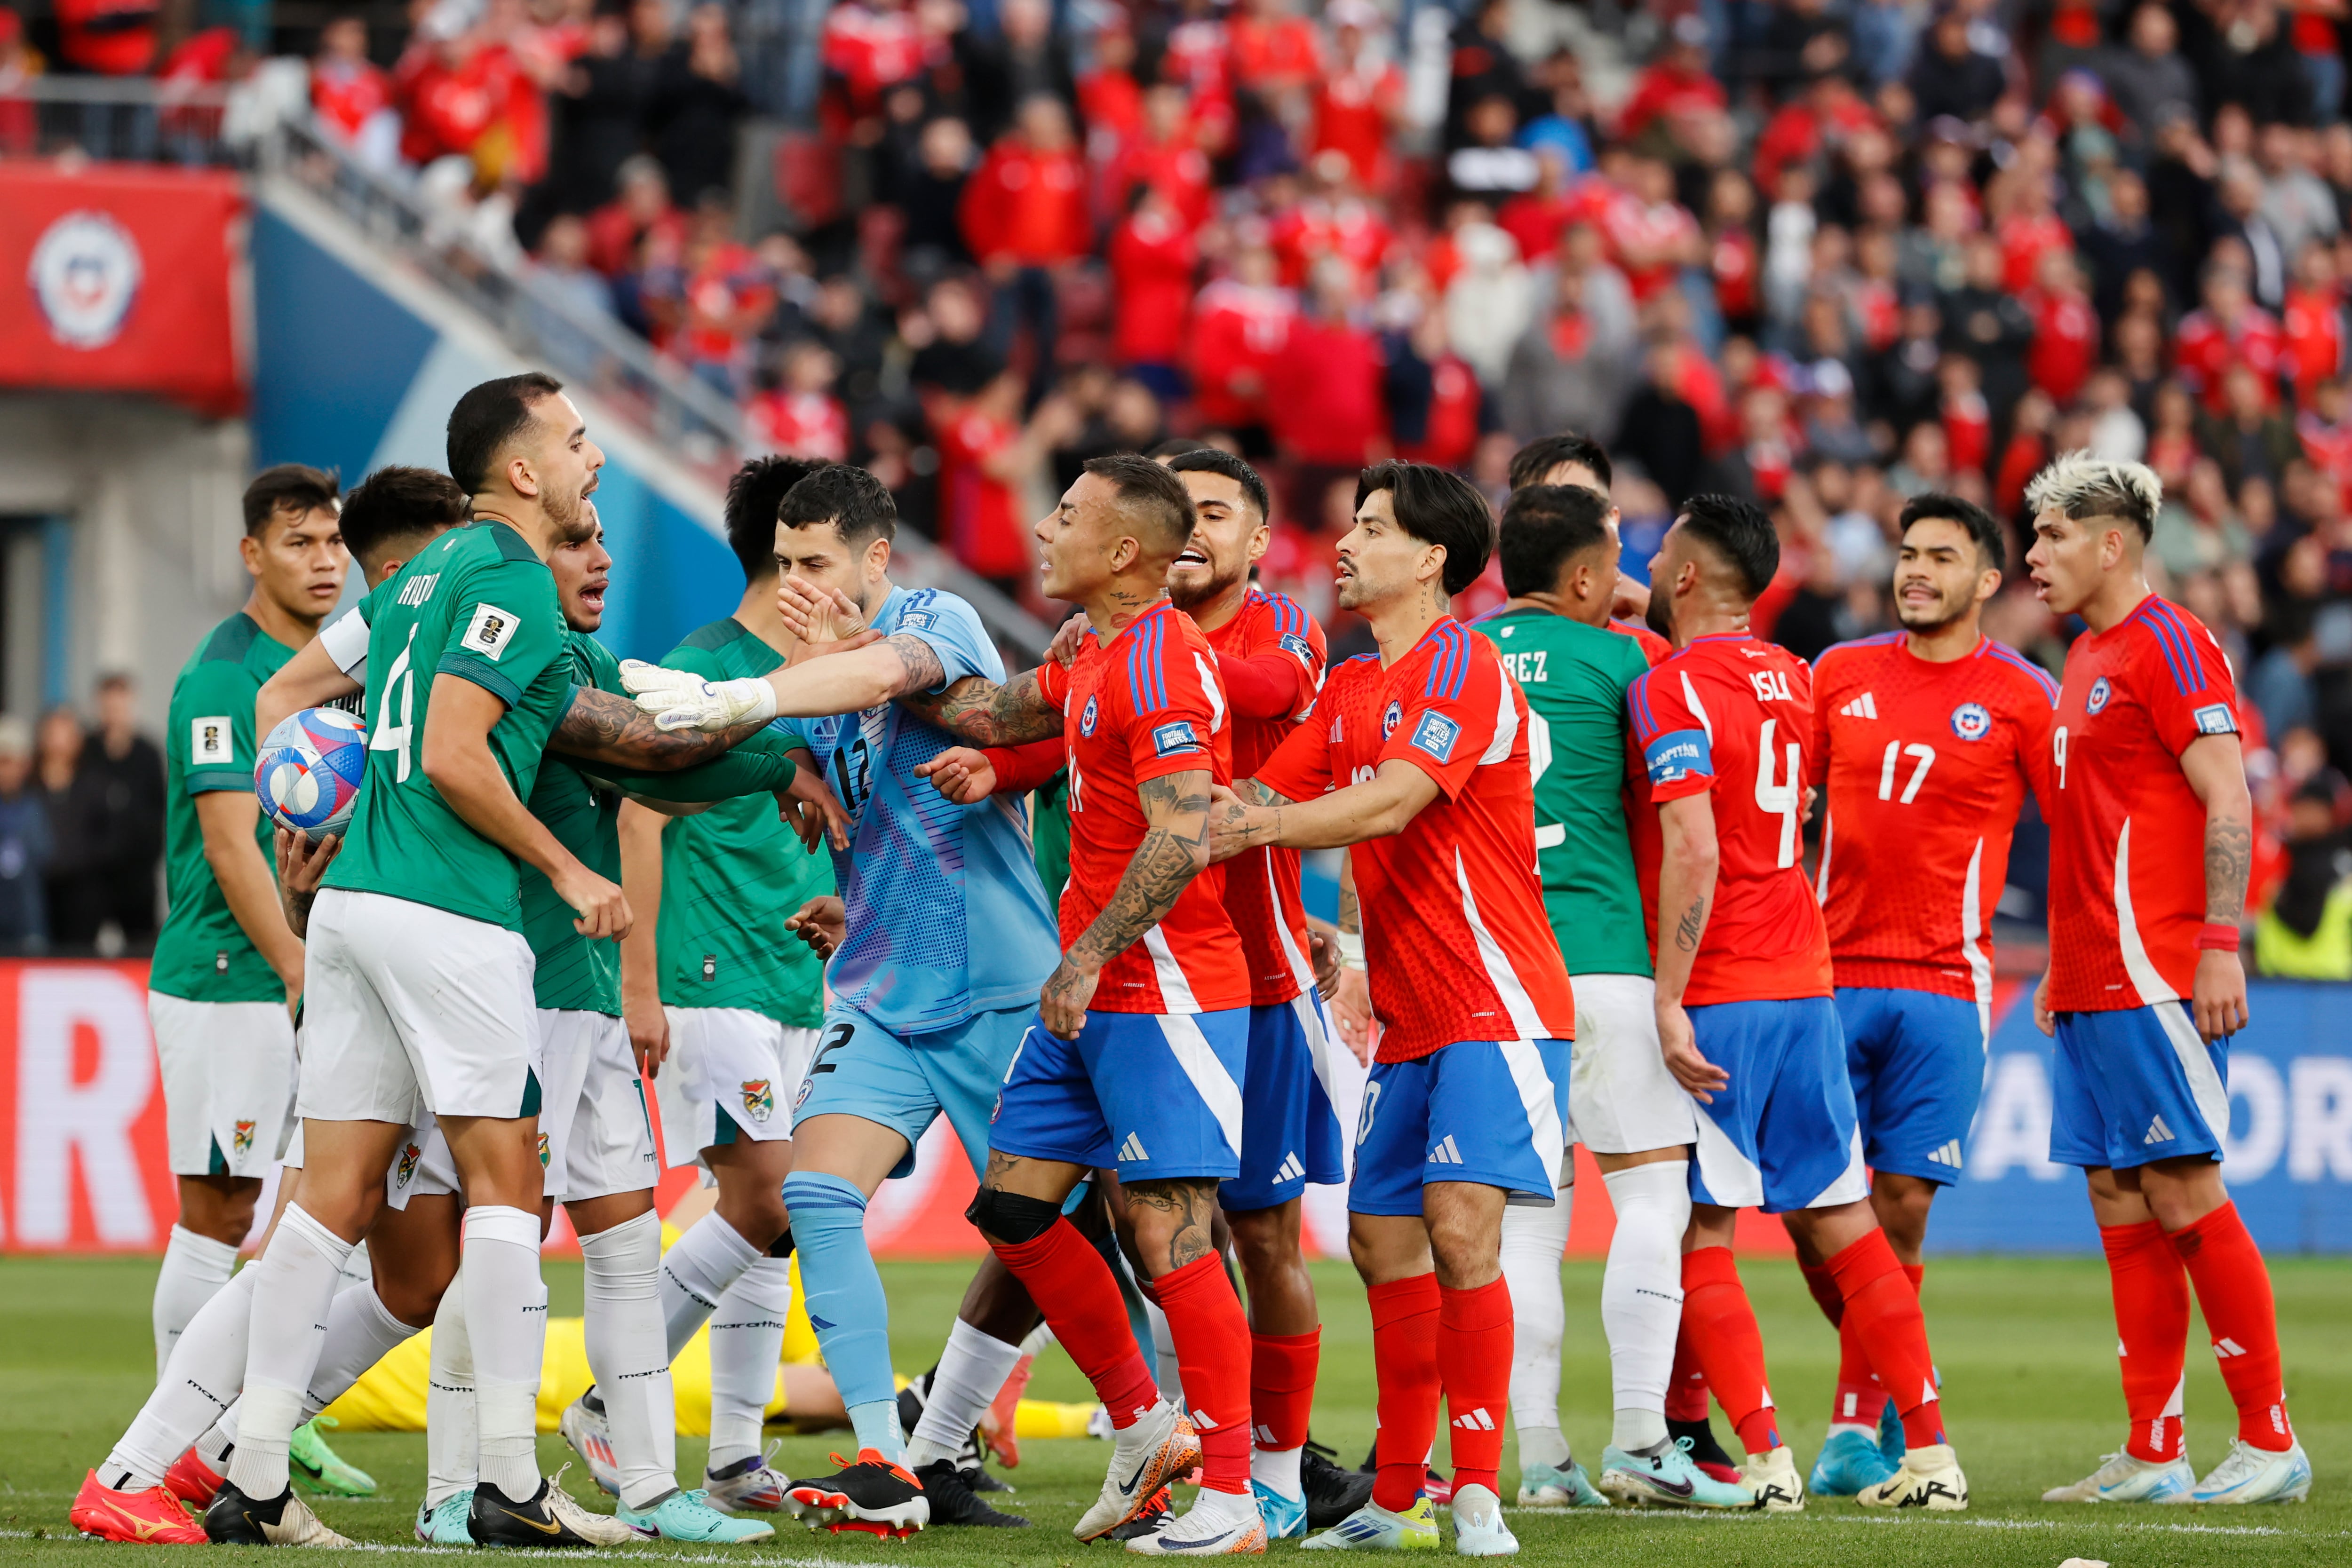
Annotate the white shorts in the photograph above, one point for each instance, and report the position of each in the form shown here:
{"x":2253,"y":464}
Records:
{"x":228,"y":1084}
{"x":732,"y":1074}
{"x":409,"y":1009}
{"x":1620,"y":1094}
{"x":422,"y":1166}
{"x":594,"y":1137}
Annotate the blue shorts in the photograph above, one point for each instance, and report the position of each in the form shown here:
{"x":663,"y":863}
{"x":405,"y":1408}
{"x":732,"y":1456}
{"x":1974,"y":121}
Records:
{"x":1290,"y":1134}
{"x":1158,"y":1095}
{"x":1917,"y":1062}
{"x":1781,"y":1135}
{"x":2135,"y":1086}
{"x":904,"y":1082}
{"x":1490,"y":1112}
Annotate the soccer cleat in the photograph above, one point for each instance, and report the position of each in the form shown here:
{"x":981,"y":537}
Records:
{"x":315,"y":1467}
{"x":1285,"y":1517}
{"x":748,"y":1485}
{"x":954,"y":1500}
{"x":2248,"y":1474}
{"x":1929,"y":1477}
{"x":1704,"y":1450}
{"x":152,"y":1517}
{"x":584,"y":1428}
{"x":1156,"y":1516}
{"x":448,"y":1522}
{"x":237,"y":1520}
{"x":869,"y":1493}
{"x":688,"y":1516}
{"x":1542,"y":1486}
{"x":999,"y":1425}
{"x":1849,"y":1463}
{"x":1891,"y":1441}
{"x":1332,"y":1493}
{"x":2124,"y":1478}
{"x":1218,"y":1525}
{"x":551,"y":1518}
{"x":1773,"y":1478}
{"x":1478,"y":1527}
{"x":192,"y":1480}
{"x":1668,"y":1479}
{"x":1158,"y":1449}
{"x":1372,"y":1528}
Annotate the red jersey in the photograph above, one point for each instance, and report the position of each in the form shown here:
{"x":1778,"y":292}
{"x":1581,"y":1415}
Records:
{"x":1353,"y":105}
{"x":1151,"y":261}
{"x":1925,"y":766}
{"x":1736,"y":710}
{"x":1144,"y":706}
{"x":1262,"y":893}
{"x":870,"y":50}
{"x":2203,"y":349}
{"x":802,"y":424}
{"x":2126,"y":832}
{"x":1276,"y":52}
{"x":982,"y":513}
{"x":2024,"y":241}
{"x":1455,"y":932}
{"x":2313,"y":329}
{"x":347,"y":94}
{"x":1027,"y":206}
{"x":1237,"y":329}
{"x":2065,"y":343}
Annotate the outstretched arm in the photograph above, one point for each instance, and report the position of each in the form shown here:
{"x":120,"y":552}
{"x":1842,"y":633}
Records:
{"x":310,"y":678}
{"x":605,"y":726}
{"x":2216,"y":772}
{"x":1380,"y":805}
{"x":1175,"y":851}
{"x":979,"y":711}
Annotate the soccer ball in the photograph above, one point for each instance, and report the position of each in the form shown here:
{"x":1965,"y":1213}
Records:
{"x":308,"y":773}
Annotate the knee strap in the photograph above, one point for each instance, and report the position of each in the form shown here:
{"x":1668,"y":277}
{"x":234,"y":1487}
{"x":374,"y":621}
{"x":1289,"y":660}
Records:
{"x":1011,"y":1218}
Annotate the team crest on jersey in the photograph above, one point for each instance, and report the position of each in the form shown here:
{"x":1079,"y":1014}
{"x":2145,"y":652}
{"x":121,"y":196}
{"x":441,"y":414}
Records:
{"x":1970,"y":722}
{"x":759,"y":1099}
{"x":1391,"y":719}
{"x":1093,"y":712}
{"x":542,"y":1151}
{"x":800,"y":1096}
{"x":2100,"y":693}
{"x":1435,"y":734}
{"x":1169,"y":739}
{"x":406,"y":1171}
{"x":243,"y":1137}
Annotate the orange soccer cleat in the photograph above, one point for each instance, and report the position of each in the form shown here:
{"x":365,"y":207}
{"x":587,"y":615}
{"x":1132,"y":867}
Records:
{"x":192,"y":1480}
{"x":149,"y":1518}
{"x":998,"y":1427}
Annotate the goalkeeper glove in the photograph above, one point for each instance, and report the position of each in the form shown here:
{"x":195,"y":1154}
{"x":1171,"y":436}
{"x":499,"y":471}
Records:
{"x":680,"y":699}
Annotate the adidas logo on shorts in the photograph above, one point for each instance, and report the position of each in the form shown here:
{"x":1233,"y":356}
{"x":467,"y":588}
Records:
{"x":1950,"y":1155}
{"x":2157,"y":1132}
{"x":1290,"y":1169}
{"x":1132,"y":1149}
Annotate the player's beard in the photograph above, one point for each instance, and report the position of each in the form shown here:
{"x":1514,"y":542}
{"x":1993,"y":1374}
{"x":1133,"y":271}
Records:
{"x":1928,"y":623}
{"x":1660,"y":613}
{"x":568,"y":515}
{"x":1191,"y":596}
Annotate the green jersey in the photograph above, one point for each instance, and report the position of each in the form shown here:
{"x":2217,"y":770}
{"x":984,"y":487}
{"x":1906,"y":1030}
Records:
{"x":202,"y":952}
{"x":574,"y":971}
{"x":1575,"y":678}
{"x":479,"y":605}
{"x":732,"y":875}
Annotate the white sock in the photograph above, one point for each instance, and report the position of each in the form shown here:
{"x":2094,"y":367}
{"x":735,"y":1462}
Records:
{"x":359,"y":1333}
{"x":1276,"y":1470}
{"x":1642,"y":1295}
{"x":1214,"y":1509}
{"x":971,"y":1374}
{"x":195,"y":1269}
{"x":1533,"y":1242}
{"x":746,"y":1339}
{"x":1163,"y":1345}
{"x":359,"y":1268}
{"x":1039,"y":1340}
{"x":696,"y":1272}
{"x":625,"y":1354}
{"x":450,"y":1443}
{"x":506,"y":1321}
{"x":201,"y":1381}
{"x":293,"y":1285}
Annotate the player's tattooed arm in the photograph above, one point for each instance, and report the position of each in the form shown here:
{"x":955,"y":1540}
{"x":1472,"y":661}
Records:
{"x":2216,"y":772}
{"x":1187,"y":1209}
{"x":1175,"y":851}
{"x":602,"y":726}
{"x":978,"y":710}
{"x":1374,"y":809}
{"x":1687,"y":865}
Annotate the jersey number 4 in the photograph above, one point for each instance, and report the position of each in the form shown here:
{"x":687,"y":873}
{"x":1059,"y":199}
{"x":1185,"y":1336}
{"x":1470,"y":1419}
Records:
{"x":1776,"y":796}
{"x":395,"y":723}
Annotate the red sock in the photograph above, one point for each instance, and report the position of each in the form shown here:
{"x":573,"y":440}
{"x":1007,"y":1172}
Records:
{"x":1212,"y":1334}
{"x":2151,"y":1292}
{"x":1730,"y":1349}
{"x":1281,"y":1387}
{"x":1858,"y":1397}
{"x":1062,"y":1269}
{"x":2233,"y":1291}
{"x":1404,"y":1360}
{"x":1474,"y":1362}
{"x":1883,"y":1307}
{"x":1686,"y":1388}
{"x":1824,"y":1289}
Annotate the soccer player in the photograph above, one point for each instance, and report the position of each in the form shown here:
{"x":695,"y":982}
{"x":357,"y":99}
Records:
{"x":1560,"y":566}
{"x":1744,"y":1011}
{"x":1419,"y":758}
{"x":227,"y":970}
{"x":1925,"y":743}
{"x":419,"y":977}
{"x":1569,"y":458}
{"x":2150,"y":840}
{"x":731,"y":1011}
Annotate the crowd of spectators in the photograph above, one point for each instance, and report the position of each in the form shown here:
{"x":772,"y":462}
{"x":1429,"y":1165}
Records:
{"x":82,"y":830}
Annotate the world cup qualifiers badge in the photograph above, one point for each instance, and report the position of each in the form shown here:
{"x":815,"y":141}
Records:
{"x":1971,"y":722}
{"x":85,"y":276}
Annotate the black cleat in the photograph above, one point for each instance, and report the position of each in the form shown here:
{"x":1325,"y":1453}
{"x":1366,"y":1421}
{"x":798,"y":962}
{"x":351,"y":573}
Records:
{"x":235,"y":1520}
{"x":955,"y":1501}
{"x":1157,"y":1515}
{"x":1332,"y":1493}
{"x":911,"y":1400}
{"x":495,"y":1521}
{"x":869,"y":1494}
{"x":1704,"y":1451}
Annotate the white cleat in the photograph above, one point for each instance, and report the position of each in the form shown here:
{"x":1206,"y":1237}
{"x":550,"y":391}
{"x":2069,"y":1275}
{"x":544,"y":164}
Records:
{"x":1478,"y":1527}
{"x":1928,"y":1478}
{"x":1156,"y":1449}
{"x":1218,"y":1525}
{"x":591,"y":1438}
{"x":598,"y":1528}
{"x":2122,"y":1478}
{"x":2257,"y":1475}
{"x":748,"y":1486}
{"x":1773,"y":1478}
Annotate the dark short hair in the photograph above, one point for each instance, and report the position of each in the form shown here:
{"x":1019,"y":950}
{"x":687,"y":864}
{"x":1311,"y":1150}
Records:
{"x":1176,"y":446}
{"x":1539,"y":457}
{"x":1214,"y":460}
{"x":487,"y":417}
{"x":850,"y":498}
{"x":290,"y":489}
{"x":1152,"y":491}
{"x":396,"y":503}
{"x":1544,"y":528}
{"x":755,"y":500}
{"x":1992,"y":539}
{"x":1739,"y":531}
{"x":1437,"y":507}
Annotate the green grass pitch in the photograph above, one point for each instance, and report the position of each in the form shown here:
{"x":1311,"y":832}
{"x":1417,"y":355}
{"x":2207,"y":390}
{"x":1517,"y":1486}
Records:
{"x":2026,"y":1349}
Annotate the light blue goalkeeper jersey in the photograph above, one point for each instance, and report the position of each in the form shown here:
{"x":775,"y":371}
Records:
{"x":946,"y":916}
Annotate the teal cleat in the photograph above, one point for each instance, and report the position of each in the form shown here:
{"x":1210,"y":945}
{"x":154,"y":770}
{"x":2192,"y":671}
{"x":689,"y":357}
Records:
{"x":1540,"y":1486}
{"x":1670,"y":1479}
{"x":446,"y":1525}
{"x":688,"y":1516}
{"x":315,"y":1467}
{"x":1891,"y":1441}
{"x":1285,"y":1517}
{"x":1850,"y":1465}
